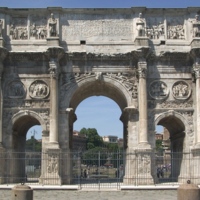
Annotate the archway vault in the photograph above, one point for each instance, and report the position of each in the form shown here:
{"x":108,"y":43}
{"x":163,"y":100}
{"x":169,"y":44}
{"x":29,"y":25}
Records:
{"x":23,"y":120}
{"x":173,"y":121}
{"x":107,"y":87}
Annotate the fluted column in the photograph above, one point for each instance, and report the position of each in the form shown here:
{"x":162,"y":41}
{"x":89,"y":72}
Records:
{"x":54,"y":54}
{"x":142,"y":99}
{"x":53,"y":68}
{"x":196,"y":70}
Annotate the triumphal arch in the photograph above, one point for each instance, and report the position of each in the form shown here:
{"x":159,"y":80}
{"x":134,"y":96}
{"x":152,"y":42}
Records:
{"x":146,"y":60}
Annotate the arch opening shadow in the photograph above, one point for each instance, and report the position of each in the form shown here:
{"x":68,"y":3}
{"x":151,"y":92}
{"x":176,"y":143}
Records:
{"x":21,"y":168}
{"x":176,"y":130}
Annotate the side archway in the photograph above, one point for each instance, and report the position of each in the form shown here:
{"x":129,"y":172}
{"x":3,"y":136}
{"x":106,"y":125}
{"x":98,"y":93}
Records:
{"x":178,"y":129}
{"x":21,"y":122}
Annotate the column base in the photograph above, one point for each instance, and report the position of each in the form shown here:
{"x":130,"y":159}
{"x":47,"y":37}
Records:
{"x":51,"y":162}
{"x":50,"y":180}
{"x":140,"y":167}
{"x":145,"y":179}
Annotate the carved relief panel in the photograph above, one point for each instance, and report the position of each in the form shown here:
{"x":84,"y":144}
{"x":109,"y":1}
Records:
{"x":38,"y":89}
{"x":175,"y":28}
{"x":181,"y":90}
{"x":52,"y":165}
{"x":155,"y":28}
{"x":18,"y":28}
{"x":158,"y":90}
{"x":38,"y":27}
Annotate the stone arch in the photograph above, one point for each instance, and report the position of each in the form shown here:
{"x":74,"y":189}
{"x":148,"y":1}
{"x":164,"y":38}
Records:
{"x":21,"y":122}
{"x":27,"y":113}
{"x":178,"y":128}
{"x":181,"y":121}
{"x":89,"y":86}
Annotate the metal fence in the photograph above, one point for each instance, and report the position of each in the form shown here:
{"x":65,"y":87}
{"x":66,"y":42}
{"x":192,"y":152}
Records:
{"x":100,"y":169}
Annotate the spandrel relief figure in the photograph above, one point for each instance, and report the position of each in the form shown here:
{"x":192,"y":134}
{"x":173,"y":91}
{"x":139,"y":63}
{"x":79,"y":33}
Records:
{"x":158,"y":90}
{"x":52,"y":26}
{"x":140,"y":26}
{"x":181,"y":90}
{"x":196,"y":26}
{"x":39,"y":90}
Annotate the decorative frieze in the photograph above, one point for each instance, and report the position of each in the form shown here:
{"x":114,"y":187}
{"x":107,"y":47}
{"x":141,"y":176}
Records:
{"x":21,"y":103}
{"x":128,"y":80}
{"x":175,"y":104}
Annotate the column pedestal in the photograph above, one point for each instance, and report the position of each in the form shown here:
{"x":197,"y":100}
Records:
{"x":51,"y":164}
{"x":139,"y":168}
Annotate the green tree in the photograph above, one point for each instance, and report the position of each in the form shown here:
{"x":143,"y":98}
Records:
{"x":159,"y":146}
{"x":33,"y":145}
{"x":93,"y":138}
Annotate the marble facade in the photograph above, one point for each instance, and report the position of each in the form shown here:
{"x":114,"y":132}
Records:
{"x":146,"y":60}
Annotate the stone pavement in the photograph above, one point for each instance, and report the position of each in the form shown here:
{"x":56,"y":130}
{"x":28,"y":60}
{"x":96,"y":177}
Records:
{"x":98,"y":195}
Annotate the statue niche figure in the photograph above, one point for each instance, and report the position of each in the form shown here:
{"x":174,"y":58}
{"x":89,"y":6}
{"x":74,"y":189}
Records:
{"x":196,"y":26}
{"x":140,"y":26}
{"x":52,"y":26}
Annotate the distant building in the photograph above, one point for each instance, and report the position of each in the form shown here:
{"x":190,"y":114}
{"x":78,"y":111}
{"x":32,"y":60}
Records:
{"x":159,"y":136}
{"x":79,"y":141}
{"x":110,"y":139}
{"x":120,"y":142}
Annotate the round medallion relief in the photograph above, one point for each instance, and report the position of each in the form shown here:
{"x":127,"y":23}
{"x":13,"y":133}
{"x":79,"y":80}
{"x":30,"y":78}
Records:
{"x":16,"y":89}
{"x":181,"y":90}
{"x":158,"y":90}
{"x":38,"y":89}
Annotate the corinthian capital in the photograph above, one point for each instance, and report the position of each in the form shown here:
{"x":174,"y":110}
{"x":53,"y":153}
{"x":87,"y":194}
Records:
{"x":53,"y":68}
{"x":142,"y":69}
{"x":55,"y":53}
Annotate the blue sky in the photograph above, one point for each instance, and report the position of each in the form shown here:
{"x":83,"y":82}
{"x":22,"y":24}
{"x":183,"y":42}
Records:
{"x":99,"y":3}
{"x":97,"y":112}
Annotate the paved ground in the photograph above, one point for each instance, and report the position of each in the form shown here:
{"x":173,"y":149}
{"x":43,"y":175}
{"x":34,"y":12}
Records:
{"x":97,"y":195}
